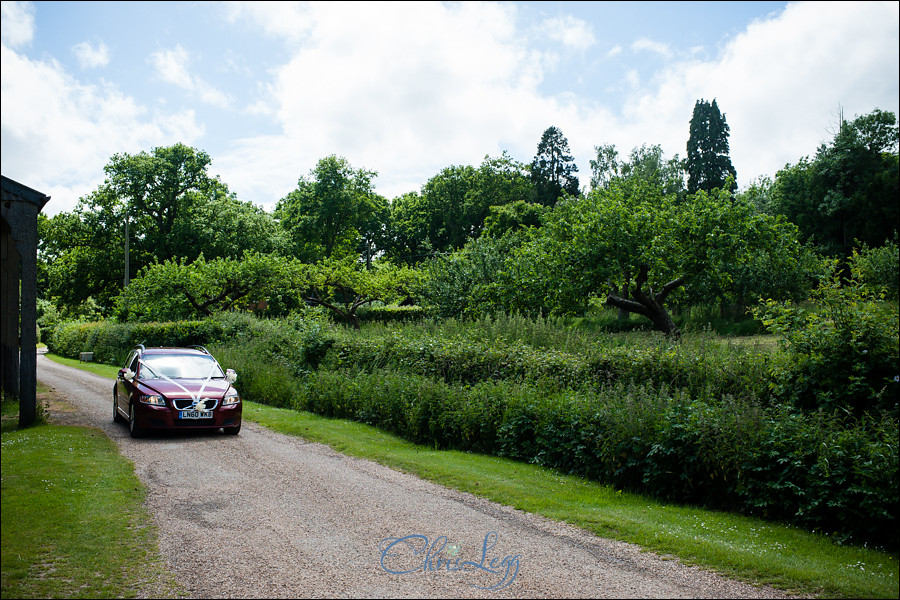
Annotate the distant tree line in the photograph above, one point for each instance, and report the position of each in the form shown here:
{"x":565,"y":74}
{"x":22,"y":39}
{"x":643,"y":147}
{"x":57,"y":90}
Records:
{"x":502,"y":235}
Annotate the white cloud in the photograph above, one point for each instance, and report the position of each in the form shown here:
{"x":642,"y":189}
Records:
{"x":781,"y":82}
{"x":172,"y":67}
{"x":89,"y":56}
{"x":16,"y":23}
{"x":288,"y":20}
{"x":647,"y":45}
{"x":58,"y":134}
{"x":432,"y":85}
{"x":572,"y":32}
{"x":614,"y":51}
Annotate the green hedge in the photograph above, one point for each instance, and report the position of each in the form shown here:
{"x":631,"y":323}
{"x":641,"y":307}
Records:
{"x":111,"y":342}
{"x":816,"y":471}
{"x":391,"y":314}
{"x":704,"y":370}
{"x":267,"y":354}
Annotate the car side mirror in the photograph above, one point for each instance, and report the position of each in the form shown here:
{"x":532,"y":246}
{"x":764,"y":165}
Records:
{"x":230,"y":375}
{"x":126,"y":374}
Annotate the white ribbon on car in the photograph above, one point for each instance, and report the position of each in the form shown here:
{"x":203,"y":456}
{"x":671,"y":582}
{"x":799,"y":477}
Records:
{"x":199,"y":395}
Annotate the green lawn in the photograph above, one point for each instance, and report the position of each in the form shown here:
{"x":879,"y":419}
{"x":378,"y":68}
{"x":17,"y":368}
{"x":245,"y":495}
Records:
{"x":73,"y":522}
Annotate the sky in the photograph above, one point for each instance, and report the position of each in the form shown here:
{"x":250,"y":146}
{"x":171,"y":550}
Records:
{"x":406,"y":89}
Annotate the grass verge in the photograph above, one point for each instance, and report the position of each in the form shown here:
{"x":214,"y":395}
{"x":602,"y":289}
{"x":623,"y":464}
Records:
{"x":73,"y":523}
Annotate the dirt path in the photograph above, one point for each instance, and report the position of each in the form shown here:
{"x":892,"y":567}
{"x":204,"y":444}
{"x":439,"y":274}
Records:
{"x":267,"y":516}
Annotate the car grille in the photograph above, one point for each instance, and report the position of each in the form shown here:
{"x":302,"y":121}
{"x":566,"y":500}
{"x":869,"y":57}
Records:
{"x":188,"y":404}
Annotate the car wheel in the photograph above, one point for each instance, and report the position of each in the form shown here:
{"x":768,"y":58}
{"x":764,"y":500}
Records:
{"x":117,"y":418}
{"x":232,"y":430}
{"x":133,"y":427}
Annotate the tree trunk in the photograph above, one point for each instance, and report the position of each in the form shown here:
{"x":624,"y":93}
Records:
{"x":623,"y":314}
{"x":649,"y":304}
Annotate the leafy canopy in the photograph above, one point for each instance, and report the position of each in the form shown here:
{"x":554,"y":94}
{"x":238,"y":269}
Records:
{"x":171,"y":208}
{"x":850,"y":191}
{"x":331,"y":211}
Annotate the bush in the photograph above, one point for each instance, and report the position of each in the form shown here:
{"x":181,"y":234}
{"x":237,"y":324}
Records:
{"x":842,"y":355}
{"x":390,"y":314}
{"x":111,"y":342}
{"x":878,"y":268}
{"x":818,"y":470}
{"x":272,"y":357}
{"x":486,"y":350}
{"x":825,"y":473}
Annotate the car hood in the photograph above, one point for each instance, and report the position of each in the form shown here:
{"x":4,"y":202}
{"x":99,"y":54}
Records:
{"x":187,"y":388}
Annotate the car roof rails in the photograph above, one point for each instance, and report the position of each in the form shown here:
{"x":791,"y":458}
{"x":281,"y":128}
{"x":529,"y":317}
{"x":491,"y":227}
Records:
{"x":200,"y":348}
{"x":141,"y":346}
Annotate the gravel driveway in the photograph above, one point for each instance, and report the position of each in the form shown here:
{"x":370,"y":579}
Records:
{"x":263,"y":515}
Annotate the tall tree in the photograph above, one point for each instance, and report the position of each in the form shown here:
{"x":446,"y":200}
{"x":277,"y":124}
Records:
{"x":453,"y":206}
{"x":330,"y":212}
{"x":605,"y":167}
{"x":172,"y":208}
{"x":160,"y":189}
{"x":850,"y":191}
{"x":553,"y":168}
{"x":708,"y":162}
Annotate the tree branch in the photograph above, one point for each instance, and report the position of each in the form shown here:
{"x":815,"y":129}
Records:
{"x":668,"y":289}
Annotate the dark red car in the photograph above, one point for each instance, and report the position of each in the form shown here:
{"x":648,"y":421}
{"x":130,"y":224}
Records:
{"x":175,"y":389}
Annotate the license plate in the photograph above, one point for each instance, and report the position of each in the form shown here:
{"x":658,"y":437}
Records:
{"x":195,"y":414}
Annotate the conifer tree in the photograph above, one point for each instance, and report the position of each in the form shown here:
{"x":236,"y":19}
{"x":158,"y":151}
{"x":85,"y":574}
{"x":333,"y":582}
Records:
{"x":553,"y":169}
{"x":708,"y":162}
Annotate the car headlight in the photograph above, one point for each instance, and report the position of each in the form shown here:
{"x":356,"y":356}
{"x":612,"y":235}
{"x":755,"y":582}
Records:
{"x":231,"y":398}
{"x":156,"y":400}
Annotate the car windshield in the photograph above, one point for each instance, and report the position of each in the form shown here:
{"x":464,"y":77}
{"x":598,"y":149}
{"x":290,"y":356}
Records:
{"x":179,"y":366}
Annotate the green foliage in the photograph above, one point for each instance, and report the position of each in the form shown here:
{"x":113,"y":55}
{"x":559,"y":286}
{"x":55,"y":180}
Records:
{"x":391,"y":314}
{"x":332,"y":211}
{"x":644,"y":164}
{"x":468,"y":282}
{"x":87,"y":246}
{"x":176,"y":290}
{"x":453,"y":206}
{"x":631,"y":243}
{"x":878,"y":268}
{"x":708,"y":163}
{"x":544,"y":350}
{"x":849,"y":191}
{"x":825,"y":473}
{"x":170,"y":209}
{"x":513,"y":216}
{"x":553,"y":170}
{"x":343,"y":286}
{"x":111,"y":342}
{"x":271,"y":357}
{"x":842,"y":354}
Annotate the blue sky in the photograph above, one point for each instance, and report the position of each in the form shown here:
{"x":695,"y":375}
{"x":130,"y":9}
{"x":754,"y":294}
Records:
{"x":409,"y":88}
